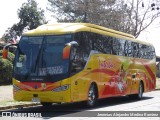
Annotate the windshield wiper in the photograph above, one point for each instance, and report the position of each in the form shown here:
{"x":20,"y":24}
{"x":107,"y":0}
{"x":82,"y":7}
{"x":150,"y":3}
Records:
{"x":38,"y":58}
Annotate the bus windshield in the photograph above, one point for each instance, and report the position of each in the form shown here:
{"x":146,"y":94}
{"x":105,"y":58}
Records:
{"x":40,"y":58}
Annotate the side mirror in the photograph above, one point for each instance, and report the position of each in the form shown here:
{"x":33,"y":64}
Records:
{"x":5,"y":53}
{"x":67,"y":49}
{"x":66,"y":52}
{"x":5,"y":50}
{"x":72,"y":43}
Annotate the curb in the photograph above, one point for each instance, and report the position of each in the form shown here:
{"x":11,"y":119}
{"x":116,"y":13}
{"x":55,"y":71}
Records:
{"x":31,"y":104}
{"x":19,"y":106}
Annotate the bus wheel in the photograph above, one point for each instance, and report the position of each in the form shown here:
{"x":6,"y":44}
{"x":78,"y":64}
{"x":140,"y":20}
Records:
{"x":46,"y":104}
{"x":92,"y":96}
{"x":140,"y":94}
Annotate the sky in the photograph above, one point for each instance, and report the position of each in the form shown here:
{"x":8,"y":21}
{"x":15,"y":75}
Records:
{"x":8,"y":12}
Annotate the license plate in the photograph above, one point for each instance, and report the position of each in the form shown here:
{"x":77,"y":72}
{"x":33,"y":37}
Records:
{"x":35,"y":99}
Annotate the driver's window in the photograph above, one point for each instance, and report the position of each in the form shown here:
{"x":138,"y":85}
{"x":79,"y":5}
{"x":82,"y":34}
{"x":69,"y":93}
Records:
{"x":76,"y":63}
{"x":73,"y":53}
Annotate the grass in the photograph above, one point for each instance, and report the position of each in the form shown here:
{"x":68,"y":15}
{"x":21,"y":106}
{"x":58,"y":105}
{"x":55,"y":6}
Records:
{"x":12,"y":103}
{"x":15,"y":104}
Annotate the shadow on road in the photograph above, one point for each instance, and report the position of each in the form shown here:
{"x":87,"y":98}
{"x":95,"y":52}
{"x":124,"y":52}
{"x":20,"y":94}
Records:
{"x":57,"y":110}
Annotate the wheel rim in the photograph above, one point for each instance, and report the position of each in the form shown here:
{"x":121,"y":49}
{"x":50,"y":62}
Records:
{"x":91,"y":96}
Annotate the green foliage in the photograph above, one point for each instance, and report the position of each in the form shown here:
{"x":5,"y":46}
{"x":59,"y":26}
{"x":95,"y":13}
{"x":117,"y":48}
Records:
{"x":30,"y":18}
{"x":6,"y":68}
{"x":10,"y":56}
{"x":107,"y":13}
{"x":129,"y":16}
{"x":30,"y":15}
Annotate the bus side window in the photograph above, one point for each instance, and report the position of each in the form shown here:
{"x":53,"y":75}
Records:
{"x":148,"y":52}
{"x":108,"y":45}
{"x":128,"y":48}
{"x":152,"y":52}
{"x":98,"y":43}
{"x":135,"y":49}
{"x":116,"y":46}
{"x":140,"y":52}
{"x":144,"y":52}
{"x":122,"y":48}
{"x":80,"y":54}
{"x":76,"y":63}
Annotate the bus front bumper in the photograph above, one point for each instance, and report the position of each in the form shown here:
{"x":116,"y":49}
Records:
{"x":42,"y":96}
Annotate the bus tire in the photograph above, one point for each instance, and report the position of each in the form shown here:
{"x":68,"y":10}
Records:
{"x":92,"y":96}
{"x":140,"y":92}
{"x":46,"y":104}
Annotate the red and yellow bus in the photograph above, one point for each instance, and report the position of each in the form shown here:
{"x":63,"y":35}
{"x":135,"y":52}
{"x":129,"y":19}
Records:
{"x":73,"y":62}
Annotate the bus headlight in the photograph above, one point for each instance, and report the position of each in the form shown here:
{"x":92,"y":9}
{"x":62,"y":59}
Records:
{"x":61,"y":88}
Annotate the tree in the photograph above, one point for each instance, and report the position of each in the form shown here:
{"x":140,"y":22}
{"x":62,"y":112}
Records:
{"x":30,"y":17}
{"x":78,"y":10}
{"x":109,"y":13}
{"x":143,"y":14}
{"x":130,"y":16}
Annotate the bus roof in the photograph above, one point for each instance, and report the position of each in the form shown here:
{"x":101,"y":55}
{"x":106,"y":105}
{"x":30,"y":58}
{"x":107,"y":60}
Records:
{"x":66,"y":28}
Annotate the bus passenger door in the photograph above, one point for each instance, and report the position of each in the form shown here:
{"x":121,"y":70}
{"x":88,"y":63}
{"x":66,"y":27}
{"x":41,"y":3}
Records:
{"x":77,"y":82}
{"x":78,"y":88}
{"x":74,"y":89}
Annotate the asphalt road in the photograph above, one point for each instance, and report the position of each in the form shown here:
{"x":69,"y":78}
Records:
{"x":150,"y":102}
